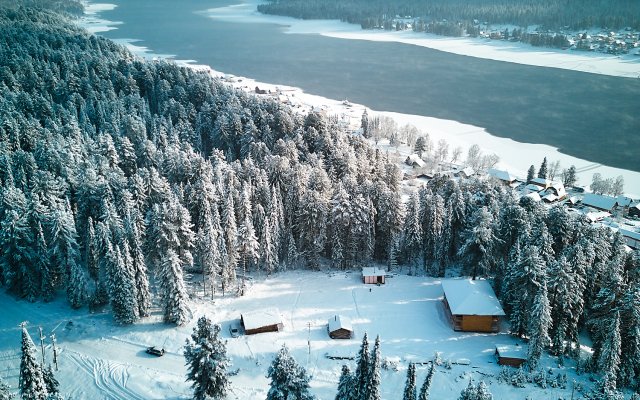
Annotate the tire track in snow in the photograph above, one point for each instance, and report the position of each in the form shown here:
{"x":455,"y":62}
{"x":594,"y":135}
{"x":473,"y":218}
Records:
{"x":110,"y":378}
{"x":293,"y":309}
{"x":353,"y":294}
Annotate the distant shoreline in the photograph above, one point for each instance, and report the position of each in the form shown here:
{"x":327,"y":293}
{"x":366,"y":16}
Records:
{"x":456,"y":133}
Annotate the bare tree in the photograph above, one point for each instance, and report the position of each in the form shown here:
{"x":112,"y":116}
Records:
{"x":455,"y":154}
{"x":554,"y":168}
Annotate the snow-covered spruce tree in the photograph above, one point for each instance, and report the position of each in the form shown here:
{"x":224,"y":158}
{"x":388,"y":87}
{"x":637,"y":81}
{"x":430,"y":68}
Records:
{"x":311,"y":223}
{"x":426,"y":386}
{"x":229,"y":226}
{"x":531,"y":173}
{"x":16,"y":254}
{"x":247,"y":243}
{"x":412,"y":232}
{"x":479,"y":242}
{"x":139,"y":266}
{"x":5,"y":391}
{"x":542,"y":172}
{"x":410,"y":391}
{"x":289,"y":381}
{"x":476,"y":392}
{"x":207,"y":363}
{"x":122,"y":289}
{"x":345,"y":385}
{"x":630,"y":330}
{"x":31,"y":383}
{"x":372,"y":391}
{"x":173,"y":293}
{"x":51,"y":383}
{"x":539,"y":324}
{"x":363,"y":367}
{"x":609,"y":358}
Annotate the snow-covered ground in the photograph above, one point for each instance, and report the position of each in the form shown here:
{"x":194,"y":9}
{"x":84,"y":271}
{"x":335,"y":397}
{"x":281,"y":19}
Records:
{"x":520,"y":53}
{"x":99,"y":359}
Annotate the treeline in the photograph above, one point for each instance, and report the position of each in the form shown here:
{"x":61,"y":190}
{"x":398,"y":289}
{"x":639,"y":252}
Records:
{"x":118,"y":175}
{"x":552,"y":14}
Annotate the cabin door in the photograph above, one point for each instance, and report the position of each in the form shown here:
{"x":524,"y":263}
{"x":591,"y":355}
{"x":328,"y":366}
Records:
{"x":380,"y":279}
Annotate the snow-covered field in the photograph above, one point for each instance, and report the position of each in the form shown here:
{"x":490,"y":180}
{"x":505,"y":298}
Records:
{"x":100,"y":360}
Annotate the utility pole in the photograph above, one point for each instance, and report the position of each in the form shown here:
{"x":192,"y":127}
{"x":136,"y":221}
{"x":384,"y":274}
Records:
{"x":41,"y":344}
{"x":55,"y":351}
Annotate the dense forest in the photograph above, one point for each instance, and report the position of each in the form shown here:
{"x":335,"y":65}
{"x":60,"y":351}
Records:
{"x":552,"y":14}
{"x":120,"y":177}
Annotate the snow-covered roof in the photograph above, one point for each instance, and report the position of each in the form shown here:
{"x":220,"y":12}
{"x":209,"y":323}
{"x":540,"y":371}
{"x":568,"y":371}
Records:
{"x":541,"y":182}
{"x":471,"y":297}
{"x":468,"y":171}
{"x":373,"y":271}
{"x":260,"y":318}
{"x":415,"y":159}
{"x":340,"y":322}
{"x":550,"y":198}
{"x":502,"y":175}
{"x":599,"y":201}
{"x":597,"y":216}
{"x":535,"y":196}
{"x":630,"y":234}
{"x":624,"y":201}
{"x":533,"y":188}
{"x":511,"y":351}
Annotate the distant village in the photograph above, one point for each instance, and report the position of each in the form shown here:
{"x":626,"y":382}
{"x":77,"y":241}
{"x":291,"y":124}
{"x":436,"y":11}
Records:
{"x":620,"y":213}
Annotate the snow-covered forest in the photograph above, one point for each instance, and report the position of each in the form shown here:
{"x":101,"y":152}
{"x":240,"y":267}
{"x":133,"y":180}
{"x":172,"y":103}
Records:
{"x":119,"y":176}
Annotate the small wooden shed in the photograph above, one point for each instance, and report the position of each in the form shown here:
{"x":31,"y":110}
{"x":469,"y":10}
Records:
{"x":340,"y":327}
{"x":260,"y":321}
{"x":472,"y":305}
{"x":373,"y":275}
{"x":512,"y":355}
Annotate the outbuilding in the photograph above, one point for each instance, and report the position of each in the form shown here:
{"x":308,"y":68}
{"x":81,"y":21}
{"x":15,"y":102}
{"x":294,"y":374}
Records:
{"x":512,"y":355}
{"x":261,"y":321}
{"x":634,"y":210}
{"x":373,"y":275}
{"x":340,"y":327}
{"x":472,"y":305}
{"x":600,"y":202}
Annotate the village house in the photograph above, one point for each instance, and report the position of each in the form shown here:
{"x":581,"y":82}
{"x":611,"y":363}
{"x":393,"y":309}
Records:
{"x":600,"y":202}
{"x":261,"y":321}
{"x":340,"y":327}
{"x":504,"y":177}
{"x":373,"y":275}
{"x":415,"y":161}
{"x":631,"y":238}
{"x":472,"y":305}
{"x":512,"y":355}
{"x":634,"y":210}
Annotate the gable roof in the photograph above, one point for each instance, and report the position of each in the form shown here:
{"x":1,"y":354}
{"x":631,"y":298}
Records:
{"x":511,"y":351}
{"x":599,"y":201}
{"x":541,"y":182}
{"x":372,"y":271}
{"x":469,"y":297}
{"x":502,"y":175}
{"x":340,"y":322}
{"x":261,"y":318}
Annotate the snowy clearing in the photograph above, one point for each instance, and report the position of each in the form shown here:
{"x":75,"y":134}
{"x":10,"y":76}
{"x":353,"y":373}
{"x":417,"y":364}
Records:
{"x":101,"y":360}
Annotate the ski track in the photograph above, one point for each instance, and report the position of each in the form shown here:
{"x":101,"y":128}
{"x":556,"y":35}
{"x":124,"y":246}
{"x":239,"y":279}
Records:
{"x":111,"y":378}
{"x":295,"y":306}
{"x":353,"y":294}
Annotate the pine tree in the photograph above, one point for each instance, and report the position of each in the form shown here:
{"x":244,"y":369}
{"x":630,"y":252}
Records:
{"x":531,"y":173}
{"x":539,"y":324}
{"x":289,"y":381}
{"x":410,"y":384}
{"x":363,"y":367}
{"x":32,"y":384}
{"x":609,"y":360}
{"x":173,"y":294}
{"x":207,"y":363}
{"x":5,"y":391}
{"x":122,"y":290}
{"x":542,"y":172}
{"x":51,"y":382}
{"x":345,"y":385}
{"x":424,"y":390}
{"x":372,"y":391}
{"x":476,"y":392}
{"x":479,"y":243}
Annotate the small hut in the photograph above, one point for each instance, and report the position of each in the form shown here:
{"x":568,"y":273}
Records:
{"x":472,"y":305}
{"x":512,"y":355}
{"x":340,"y":327}
{"x":260,"y":321}
{"x":373,"y":275}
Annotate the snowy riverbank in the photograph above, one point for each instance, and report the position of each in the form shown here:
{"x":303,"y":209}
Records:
{"x":520,"y":53}
{"x":514,"y":156}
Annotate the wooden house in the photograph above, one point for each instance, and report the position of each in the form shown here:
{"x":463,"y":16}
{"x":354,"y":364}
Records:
{"x":373,"y":275}
{"x":541,"y":183}
{"x":260,"y":321}
{"x":634,"y":210}
{"x":502,"y":176}
{"x":512,"y":355}
{"x":472,"y":305}
{"x":631,"y":238}
{"x":415,"y":161}
{"x":340,"y":327}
